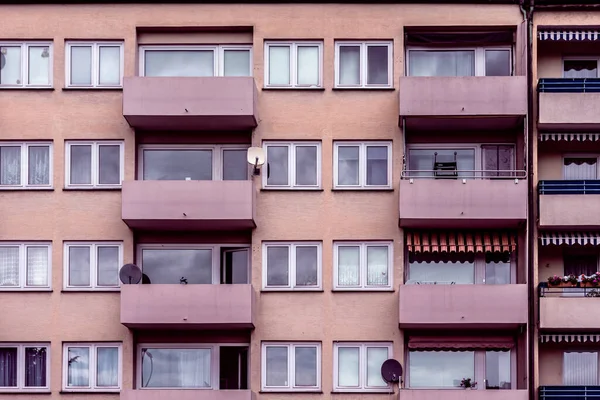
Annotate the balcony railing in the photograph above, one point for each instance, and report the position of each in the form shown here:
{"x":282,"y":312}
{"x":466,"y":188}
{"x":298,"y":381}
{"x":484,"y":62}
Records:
{"x":570,"y":187}
{"x":569,"y":392}
{"x":463,"y":174}
{"x":565,"y":291}
{"x":569,"y":85}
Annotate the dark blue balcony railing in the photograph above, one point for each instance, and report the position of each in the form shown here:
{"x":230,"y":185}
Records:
{"x":570,"y":187}
{"x":569,"y":392}
{"x":569,"y":85}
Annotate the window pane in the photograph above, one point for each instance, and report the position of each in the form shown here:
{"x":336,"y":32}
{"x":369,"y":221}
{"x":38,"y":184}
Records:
{"x":377,"y":165}
{"x":9,"y":266}
{"x":79,"y":266}
{"x":497,"y":272}
{"x":235,"y":165}
{"x":81,"y":65}
{"x":176,"y":368}
{"x":78,"y":366}
{"x":440,"y":368}
{"x":308,"y":65}
{"x":377,"y":265}
{"x":448,"y":269}
{"x":277,"y":366}
{"x":236,"y":62}
{"x":39,"y":165}
{"x":377,"y":65}
{"x":108,"y":266}
{"x":348,"y":266}
{"x":8,"y":366}
{"x":108,"y":367}
{"x":306,"y":366}
{"x":170,"y":266}
{"x":109,"y":164}
{"x":497,"y":63}
{"x":110,"y":65}
{"x":441,"y":63}
{"x":37,"y":266}
{"x":348,"y":165}
{"x":306,"y":165}
{"x":10,"y":165}
{"x":580,"y":69}
{"x":177,"y":165}
{"x":348,"y":366}
{"x":279,"y":65}
{"x":497,"y":158}
{"x":349,"y":68}
{"x":277,"y":170}
{"x":179,"y":63}
{"x":81,"y":165}
{"x":580,"y":368}
{"x":424,"y":159}
{"x":580,"y":168}
{"x":278,"y":261}
{"x":39,"y":65}
{"x":375,"y":358}
{"x":306,"y":265}
{"x":497,"y":370}
{"x":10,"y":59}
{"x":35,"y":367}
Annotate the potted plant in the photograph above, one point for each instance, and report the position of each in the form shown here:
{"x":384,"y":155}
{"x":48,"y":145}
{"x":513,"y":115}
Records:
{"x":467,"y":383}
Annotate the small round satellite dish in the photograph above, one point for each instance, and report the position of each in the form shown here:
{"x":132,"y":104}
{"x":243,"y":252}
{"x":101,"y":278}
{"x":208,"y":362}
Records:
{"x":256,"y":156}
{"x":130,"y":274}
{"x":391,"y":371}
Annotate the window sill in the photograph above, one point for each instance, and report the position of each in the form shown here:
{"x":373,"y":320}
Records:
{"x":26,"y":88}
{"x":291,"y":190}
{"x":290,"y":391}
{"x":356,"y":290}
{"x":90,"y":290}
{"x":292,"y":291}
{"x":385,"y":89}
{"x":362,"y":190}
{"x":369,"y":392}
{"x":27,"y":290}
{"x":90,"y":392}
{"x":25,"y":392}
{"x":101,"y":89}
{"x":26,"y":189}
{"x":310,"y":89}
{"x":81,"y":189}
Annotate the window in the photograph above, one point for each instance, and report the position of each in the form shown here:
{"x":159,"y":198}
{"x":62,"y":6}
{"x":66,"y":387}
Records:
{"x":366,"y":266}
{"x":583,"y":67}
{"x":26,"y":64}
{"x":292,"y":266}
{"x":292,"y":165}
{"x":294,"y":65}
{"x":362,"y":165}
{"x":580,"y":167}
{"x":90,"y":65}
{"x":478,"y":61}
{"x":194,"y":264}
{"x":92,"y":265}
{"x":90,"y":367}
{"x":363,"y":64}
{"x":580,"y":368}
{"x":357,"y":366}
{"x":25,"y":266}
{"x":291,"y":366}
{"x":25,"y":165}
{"x":196,"y":61}
{"x":24,"y":367}
{"x":197,"y":163}
{"x":94,"y":165}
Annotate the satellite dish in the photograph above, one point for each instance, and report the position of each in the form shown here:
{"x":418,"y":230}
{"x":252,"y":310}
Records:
{"x":256,"y":157}
{"x":130,"y":274}
{"x":391,"y":371}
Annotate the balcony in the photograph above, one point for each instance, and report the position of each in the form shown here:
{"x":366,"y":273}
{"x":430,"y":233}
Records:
{"x":569,"y":204}
{"x":576,"y":309}
{"x":187,"y":394}
{"x":469,"y":203}
{"x":432,"y":394}
{"x":187,"y":306}
{"x":569,"y":392}
{"x":190,"y":103}
{"x":188,"y":205}
{"x":463,"y":306}
{"x":569,"y":103}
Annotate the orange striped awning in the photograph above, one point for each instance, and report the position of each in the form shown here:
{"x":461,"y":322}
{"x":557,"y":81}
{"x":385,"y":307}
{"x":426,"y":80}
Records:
{"x":460,"y":242}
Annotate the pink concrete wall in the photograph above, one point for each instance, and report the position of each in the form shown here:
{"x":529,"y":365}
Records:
{"x":568,"y":110}
{"x":187,"y":395}
{"x":458,"y":394}
{"x":569,"y":210}
{"x":569,"y":313}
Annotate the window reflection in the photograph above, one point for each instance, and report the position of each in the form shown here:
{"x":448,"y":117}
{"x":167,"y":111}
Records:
{"x":169,"y":266}
{"x":176,"y":368}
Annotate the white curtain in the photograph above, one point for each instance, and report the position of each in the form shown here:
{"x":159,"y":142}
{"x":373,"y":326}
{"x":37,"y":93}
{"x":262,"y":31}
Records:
{"x":279,"y":65}
{"x":442,"y":272}
{"x":179,"y":63}
{"x":9,"y":266}
{"x":308,"y":65}
{"x":349,"y":68}
{"x":348,"y":366}
{"x":107,"y":366}
{"x":441,"y":63}
{"x":377,"y":265}
{"x":375,"y":358}
{"x":39,"y":165}
{"x":348,"y":265}
{"x":580,"y":168}
{"x":39,"y":65}
{"x":108,"y":266}
{"x":10,"y":165}
{"x":79,"y":265}
{"x":580,"y":368}
{"x":78,"y":366}
{"x":236,"y":63}
{"x":11,"y":58}
{"x":81,"y":65}
{"x":110,"y":65}
{"x":348,"y":165}
{"x":176,"y":368}
{"x":37,"y":266}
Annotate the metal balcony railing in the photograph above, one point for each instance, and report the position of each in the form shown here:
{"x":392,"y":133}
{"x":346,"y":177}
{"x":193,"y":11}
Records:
{"x":545,"y":290}
{"x":463,"y":174}
{"x":569,"y":85}
{"x":570,"y":187}
{"x":569,"y":392}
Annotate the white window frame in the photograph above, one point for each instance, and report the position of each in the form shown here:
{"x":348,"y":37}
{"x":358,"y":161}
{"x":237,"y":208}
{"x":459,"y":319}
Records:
{"x":363,"y":64}
{"x":292,"y":246}
{"x":93,"y":367}
{"x":362,"y":165}
{"x":95,"y":82}
{"x":25,"y":165}
{"x":479,"y":56}
{"x":25,"y":63}
{"x":218,"y":54}
{"x":21,"y":388}
{"x":217,"y":156}
{"x":363,"y":265}
{"x":291,"y":387}
{"x":291,"y":185}
{"x":23,"y":266}
{"x":293,"y":45}
{"x":362,"y":358}
{"x":93,"y":286}
{"x":95,"y":161}
{"x":581,"y":58}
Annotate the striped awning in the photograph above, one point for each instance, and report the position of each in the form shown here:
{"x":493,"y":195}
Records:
{"x":460,"y":242}
{"x":570,"y":238}
{"x":570,"y":137}
{"x":441,"y":343}
{"x":570,"y":338}
{"x":570,"y":35}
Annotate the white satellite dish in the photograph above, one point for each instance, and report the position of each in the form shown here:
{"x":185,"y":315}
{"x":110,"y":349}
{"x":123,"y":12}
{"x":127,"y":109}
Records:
{"x":256,"y":157}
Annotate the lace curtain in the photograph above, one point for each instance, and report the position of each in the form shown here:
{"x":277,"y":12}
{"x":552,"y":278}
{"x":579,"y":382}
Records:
{"x":39,"y":165}
{"x":9,"y":266}
{"x":10,"y":165}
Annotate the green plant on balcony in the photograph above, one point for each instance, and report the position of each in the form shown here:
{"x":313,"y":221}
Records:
{"x":573,"y":280}
{"x":467,"y":383}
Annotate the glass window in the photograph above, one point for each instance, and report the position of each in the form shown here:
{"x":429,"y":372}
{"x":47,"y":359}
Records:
{"x":293,"y":165}
{"x":236,"y":62}
{"x":174,"y":266}
{"x":291,"y":366}
{"x":580,"y":368}
{"x":440,"y":369}
{"x":580,"y":68}
{"x":497,"y":370}
{"x":448,"y":269}
{"x":363,"y":64}
{"x":498,"y":63}
{"x":497,"y":269}
{"x":580,"y":168}
{"x":24,"y":266}
{"x":362,"y":265}
{"x":176,"y":368}
{"x":441,"y":63}
{"x":25,"y":165}
{"x":357,"y":366}
{"x":25,"y":64}
{"x":293,"y":64}
{"x":24,"y":366}
{"x":94,"y":165}
{"x":362,"y":165}
{"x":422,"y":162}
{"x":498,"y":158}
{"x":290,"y":266}
{"x":93,"y":265}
